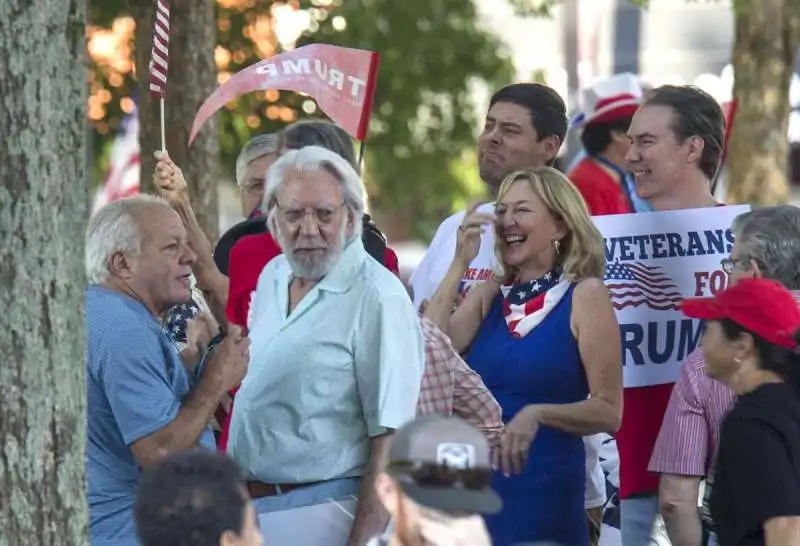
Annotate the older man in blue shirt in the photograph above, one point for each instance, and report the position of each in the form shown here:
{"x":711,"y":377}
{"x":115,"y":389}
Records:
{"x":143,"y":403}
{"x":336,"y":366}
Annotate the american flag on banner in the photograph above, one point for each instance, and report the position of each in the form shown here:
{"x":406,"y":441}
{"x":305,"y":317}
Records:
{"x":159,"y":58}
{"x":634,"y":284}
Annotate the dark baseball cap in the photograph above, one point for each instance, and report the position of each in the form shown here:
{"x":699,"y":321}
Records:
{"x":444,"y":463}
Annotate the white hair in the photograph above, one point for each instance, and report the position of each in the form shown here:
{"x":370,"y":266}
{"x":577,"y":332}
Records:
{"x":316,"y":158}
{"x":114,"y":228}
{"x":256,"y":147}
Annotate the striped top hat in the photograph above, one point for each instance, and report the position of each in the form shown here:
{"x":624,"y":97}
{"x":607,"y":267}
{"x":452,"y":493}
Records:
{"x":609,"y":99}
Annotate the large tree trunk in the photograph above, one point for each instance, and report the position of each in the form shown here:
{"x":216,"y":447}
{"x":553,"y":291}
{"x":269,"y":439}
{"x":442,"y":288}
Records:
{"x":43,"y":207}
{"x":766,"y":42}
{"x":192,"y":77}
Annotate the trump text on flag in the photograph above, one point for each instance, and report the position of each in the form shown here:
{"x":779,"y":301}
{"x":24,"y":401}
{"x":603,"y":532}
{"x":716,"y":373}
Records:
{"x":340,"y":79}
{"x":654,"y":261}
{"x":350,"y":84}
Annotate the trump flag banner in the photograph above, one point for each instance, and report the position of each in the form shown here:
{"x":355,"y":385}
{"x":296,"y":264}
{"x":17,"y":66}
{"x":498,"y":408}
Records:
{"x":654,"y":261}
{"x":340,"y":79}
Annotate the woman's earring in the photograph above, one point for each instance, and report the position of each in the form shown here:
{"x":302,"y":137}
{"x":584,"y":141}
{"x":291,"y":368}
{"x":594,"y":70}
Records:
{"x":557,"y":246}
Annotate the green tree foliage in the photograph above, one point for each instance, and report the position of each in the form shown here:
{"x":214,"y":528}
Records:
{"x":424,"y":121}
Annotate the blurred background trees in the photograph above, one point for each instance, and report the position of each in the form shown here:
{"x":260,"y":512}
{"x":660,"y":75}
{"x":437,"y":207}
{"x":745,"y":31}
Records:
{"x":434,"y":55}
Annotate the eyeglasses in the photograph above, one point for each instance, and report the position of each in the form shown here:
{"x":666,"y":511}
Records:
{"x":321,"y":216}
{"x":254,"y":186}
{"x":730,"y":264}
{"x":437,"y":475}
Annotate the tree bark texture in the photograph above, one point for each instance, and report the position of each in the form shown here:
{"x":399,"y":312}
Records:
{"x":43,"y":208}
{"x":191,"y":79}
{"x":766,"y":41}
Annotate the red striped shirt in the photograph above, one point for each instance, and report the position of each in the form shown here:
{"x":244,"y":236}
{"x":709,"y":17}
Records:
{"x":690,"y":431}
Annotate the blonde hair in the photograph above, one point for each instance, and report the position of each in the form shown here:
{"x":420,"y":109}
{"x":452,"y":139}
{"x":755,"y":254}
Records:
{"x":581,"y":253}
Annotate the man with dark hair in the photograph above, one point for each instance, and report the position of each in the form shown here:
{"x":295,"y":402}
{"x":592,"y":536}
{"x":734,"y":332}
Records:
{"x":524,"y":128}
{"x":676,"y":145}
{"x":677,"y":138}
{"x":195,"y":498}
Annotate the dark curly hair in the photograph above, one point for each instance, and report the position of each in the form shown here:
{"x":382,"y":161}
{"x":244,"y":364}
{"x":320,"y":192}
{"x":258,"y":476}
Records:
{"x":190,"y":499}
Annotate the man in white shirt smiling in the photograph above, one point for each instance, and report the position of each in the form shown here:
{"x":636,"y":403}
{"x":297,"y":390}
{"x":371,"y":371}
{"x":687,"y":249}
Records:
{"x":336,"y":364}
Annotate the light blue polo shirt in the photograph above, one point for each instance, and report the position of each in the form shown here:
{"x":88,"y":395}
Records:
{"x":134,"y":385}
{"x":344,"y":366}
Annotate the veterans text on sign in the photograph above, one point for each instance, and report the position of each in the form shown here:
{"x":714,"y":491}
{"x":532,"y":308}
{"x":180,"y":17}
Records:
{"x":654,"y":260}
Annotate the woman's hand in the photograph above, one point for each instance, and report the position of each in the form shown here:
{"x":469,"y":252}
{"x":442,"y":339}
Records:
{"x":512,"y":456}
{"x":169,"y":181}
{"x":469,"y":234}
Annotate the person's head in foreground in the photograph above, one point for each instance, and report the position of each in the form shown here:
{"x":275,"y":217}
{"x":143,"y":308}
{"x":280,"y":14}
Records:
{"x":676,"y":140}
{"x":524,"y":127}
{"x":195,"y":498}
{"x":315,"y":202}
{"x":766,"y":244}
{"x":542,"y":224}
{"x":436,"y":483}
{"x":750,"y":334}
{"x":138,"y":246}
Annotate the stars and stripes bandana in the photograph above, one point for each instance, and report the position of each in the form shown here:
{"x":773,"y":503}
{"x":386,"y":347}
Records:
{"x":525,"y":305}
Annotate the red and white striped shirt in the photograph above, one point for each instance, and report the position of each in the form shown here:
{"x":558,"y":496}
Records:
{"x":451,"y":387}
{"x":690,"y":431}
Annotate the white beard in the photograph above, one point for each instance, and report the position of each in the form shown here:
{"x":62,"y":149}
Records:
{"x":312,"y":265}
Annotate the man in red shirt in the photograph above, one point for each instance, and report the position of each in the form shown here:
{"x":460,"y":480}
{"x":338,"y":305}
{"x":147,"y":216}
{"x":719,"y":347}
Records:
{"x":601,"y":176}
{"x":676,"y":146}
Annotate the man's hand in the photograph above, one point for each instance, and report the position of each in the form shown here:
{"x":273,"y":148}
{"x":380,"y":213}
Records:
{"x":169,"y":181}
{"x":227,"y":365}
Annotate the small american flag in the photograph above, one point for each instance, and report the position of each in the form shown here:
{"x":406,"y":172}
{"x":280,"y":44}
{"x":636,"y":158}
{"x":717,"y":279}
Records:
{"x":159,"y":58}
{"x":634,"y":284}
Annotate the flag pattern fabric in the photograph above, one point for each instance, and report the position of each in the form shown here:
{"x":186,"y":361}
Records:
{"x":635,"y":284}
{"x":159,"y":58}
{"x":525,"y":305}
{"x":122,"y":178}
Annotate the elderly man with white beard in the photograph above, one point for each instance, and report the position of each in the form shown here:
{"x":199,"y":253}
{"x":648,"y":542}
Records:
{"x":336,"y":362}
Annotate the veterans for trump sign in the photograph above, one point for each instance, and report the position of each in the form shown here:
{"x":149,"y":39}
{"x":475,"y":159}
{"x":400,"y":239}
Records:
{"x":341,"y":80}
{"x":653,"y":261}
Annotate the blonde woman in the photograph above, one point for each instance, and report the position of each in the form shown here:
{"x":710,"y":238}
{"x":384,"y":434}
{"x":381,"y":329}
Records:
{"x":545,"y":340}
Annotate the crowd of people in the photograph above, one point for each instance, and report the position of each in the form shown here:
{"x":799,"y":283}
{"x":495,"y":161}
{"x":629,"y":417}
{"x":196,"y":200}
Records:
{"x":466,"y":407}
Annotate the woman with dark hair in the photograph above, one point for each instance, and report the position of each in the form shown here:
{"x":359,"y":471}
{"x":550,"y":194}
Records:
{"x":750,"y":343}
{"x":601,"y":177}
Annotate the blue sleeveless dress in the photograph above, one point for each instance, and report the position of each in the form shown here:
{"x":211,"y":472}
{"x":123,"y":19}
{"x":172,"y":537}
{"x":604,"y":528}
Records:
{"x":546,"y":501}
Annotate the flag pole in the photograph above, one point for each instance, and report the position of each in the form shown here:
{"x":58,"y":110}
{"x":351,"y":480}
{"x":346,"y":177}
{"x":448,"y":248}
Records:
{"x":163,"y":127}
{"x":361,"y":149}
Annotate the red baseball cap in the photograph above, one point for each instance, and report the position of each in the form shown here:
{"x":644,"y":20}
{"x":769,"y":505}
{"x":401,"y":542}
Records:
{"x":762,"y":306}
